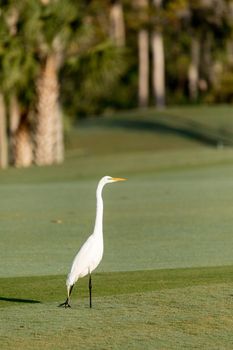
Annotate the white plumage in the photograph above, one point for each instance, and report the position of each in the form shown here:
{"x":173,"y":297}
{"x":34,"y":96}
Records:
{"x":91,"y":252}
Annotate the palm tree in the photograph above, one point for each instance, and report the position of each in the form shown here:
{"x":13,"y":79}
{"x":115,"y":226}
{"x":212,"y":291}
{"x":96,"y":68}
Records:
{"x":47,"y":111}
{"x":73,"y":34}
{"x":49,"y":146}
{"x":51,"y":31}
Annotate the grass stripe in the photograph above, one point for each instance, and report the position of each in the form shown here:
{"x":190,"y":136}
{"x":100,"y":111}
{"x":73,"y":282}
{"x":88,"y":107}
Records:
{"x":52,"y":288}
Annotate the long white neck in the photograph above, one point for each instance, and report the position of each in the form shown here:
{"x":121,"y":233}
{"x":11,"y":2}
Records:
{"x":98,"y":228}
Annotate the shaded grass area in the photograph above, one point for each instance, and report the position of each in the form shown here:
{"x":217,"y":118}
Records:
{"x":166,"y":129}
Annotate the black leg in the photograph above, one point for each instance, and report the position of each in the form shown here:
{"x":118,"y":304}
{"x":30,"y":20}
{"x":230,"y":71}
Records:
{"x":71,"y":289}
{"x":66,"y":303}
{"x":90,"y":288}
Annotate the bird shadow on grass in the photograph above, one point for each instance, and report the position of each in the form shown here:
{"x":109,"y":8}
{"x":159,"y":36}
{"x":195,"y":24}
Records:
{"x":19,"y":300}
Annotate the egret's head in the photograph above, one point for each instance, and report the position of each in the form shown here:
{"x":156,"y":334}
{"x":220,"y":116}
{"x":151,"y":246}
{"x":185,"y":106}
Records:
{"x":110,"y":179}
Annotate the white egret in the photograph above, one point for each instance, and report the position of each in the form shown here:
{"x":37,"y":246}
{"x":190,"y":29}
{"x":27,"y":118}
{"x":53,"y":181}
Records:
{"x":91,"y":252}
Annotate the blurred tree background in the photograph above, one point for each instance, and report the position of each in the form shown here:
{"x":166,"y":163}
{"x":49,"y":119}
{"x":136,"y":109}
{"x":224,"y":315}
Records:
{"x":61,"y":60}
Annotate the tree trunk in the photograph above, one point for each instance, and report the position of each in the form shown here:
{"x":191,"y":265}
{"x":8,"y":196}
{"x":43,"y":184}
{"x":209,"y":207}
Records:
{"x":117,"y":24}
{"x":47,"y":113}
{"x":143,"y":53}
{"x":158,"y":76}
{"x":23,"y":146}
{"x":59,"y":139}
{"x":14,"y":120}
{"x":193,"y":72}
{"x":3,"y":135}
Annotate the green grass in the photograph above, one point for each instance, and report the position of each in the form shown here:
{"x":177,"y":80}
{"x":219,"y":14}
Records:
{"x":165,"y":281}
{"x":171,"y":309}
{"x":43,"y":289}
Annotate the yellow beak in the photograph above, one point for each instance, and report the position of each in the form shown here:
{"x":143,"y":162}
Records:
{"x":118,"y":179}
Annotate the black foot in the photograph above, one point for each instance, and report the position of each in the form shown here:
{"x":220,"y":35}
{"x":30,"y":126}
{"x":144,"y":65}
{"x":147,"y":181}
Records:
{"x":65,"y":304}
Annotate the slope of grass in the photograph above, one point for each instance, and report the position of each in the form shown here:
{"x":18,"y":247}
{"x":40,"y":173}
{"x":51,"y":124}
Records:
{"x":214,"y":116}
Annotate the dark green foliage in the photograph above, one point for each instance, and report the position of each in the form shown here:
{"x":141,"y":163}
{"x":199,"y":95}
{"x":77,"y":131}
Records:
{"x":95,"y":75}
{"x":17,"y":63}
{"x":92,"y":79}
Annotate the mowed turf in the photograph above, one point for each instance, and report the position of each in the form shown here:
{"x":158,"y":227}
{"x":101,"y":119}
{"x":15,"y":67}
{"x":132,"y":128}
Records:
{"x":163,"y":309}
{"x":165,"y":281}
